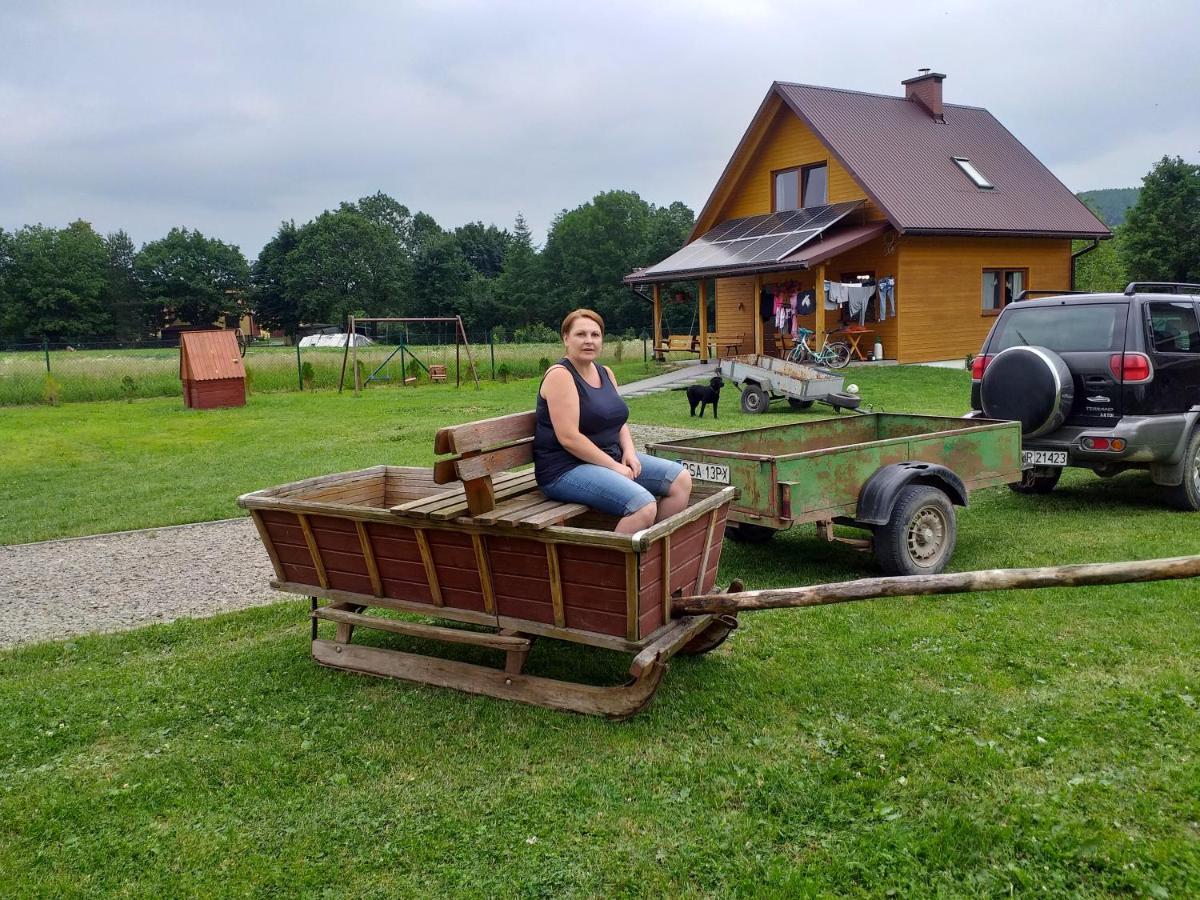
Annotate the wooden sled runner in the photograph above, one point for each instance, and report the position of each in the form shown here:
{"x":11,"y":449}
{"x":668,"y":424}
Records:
{"x":473,"y":542}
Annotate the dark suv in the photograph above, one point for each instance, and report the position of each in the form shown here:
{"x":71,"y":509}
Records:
{"x":1106,"y":382}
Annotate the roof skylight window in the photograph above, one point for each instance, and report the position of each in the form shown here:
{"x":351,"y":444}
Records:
{"x":973,"y":173}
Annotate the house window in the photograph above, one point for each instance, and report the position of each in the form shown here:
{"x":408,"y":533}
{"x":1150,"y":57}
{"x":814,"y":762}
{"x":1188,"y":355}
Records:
{"x":973,"y":173}
{"x":816,"y":185}
{"x":1001,"y":287}
{"x":787,"y":190}
{"x":801,"y":187}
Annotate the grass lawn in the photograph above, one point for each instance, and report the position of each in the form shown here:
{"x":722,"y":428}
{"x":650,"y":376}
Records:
{"x":971,"y":745}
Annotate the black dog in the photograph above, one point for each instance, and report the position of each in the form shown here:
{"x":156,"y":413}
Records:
{"x":705,"y":395}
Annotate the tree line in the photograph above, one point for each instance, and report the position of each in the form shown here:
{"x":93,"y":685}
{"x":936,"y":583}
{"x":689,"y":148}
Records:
{"x":1159,"y":239}
{"x":370,"y":257}
{"x":373,"y":257}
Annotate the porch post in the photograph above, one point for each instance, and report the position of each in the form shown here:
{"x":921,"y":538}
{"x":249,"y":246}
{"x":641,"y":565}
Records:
{"x":819,"y":327}
{"x":657,"y":321}
{"x":702,"y":300}
{"x":758,"y":330}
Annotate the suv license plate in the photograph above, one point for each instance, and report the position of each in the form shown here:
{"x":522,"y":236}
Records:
{"x":703,"y":471}
{"x":1043,"y":457}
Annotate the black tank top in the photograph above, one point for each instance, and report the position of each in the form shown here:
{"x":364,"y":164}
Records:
{"x":602,"y":413}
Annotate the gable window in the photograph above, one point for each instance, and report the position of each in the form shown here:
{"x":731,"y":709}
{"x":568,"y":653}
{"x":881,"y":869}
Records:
{"x":973,"y":173}
{"x":816,"y":185}
{"x":1001,"y":287}
{"x":801,"y":187}
{"x":787,"y":190}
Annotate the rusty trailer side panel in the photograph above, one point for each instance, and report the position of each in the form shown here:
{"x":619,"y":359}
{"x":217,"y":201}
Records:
{"x":814,"y":471}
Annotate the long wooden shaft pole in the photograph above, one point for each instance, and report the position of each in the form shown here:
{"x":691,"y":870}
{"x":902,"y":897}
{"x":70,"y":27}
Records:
{"x":955,"y":583}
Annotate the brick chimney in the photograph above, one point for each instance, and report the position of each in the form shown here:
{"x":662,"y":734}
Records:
{"x":926,"y":89}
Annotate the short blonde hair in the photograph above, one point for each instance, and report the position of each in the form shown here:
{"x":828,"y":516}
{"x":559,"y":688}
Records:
{"x":581,"y":314}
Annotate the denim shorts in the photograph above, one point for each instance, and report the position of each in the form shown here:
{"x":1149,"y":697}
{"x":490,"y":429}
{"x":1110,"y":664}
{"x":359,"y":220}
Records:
{"x":611,"y":492}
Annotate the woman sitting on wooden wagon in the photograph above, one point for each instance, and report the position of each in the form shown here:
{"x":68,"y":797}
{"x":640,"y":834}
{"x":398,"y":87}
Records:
{"x":582,"y":449}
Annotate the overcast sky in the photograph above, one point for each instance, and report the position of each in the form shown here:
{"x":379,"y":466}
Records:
{"x":230,"y":117}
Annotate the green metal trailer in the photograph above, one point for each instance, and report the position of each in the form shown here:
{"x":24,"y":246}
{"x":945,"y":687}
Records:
{"x":896,"y":475}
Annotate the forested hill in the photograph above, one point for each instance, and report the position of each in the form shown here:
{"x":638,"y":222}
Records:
{"x":1112,"y":203}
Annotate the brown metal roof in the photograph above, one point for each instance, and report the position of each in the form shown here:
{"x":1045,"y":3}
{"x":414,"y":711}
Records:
{"x":209,"y":356}
{"x":904,"y":160}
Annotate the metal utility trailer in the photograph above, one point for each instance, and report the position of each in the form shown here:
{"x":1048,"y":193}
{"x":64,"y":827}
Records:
{"x":898,"y":476}
{"x":762,"y":379}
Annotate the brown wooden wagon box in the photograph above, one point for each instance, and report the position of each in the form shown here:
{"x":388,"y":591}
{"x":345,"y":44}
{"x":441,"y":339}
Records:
{"x":491,"y":551}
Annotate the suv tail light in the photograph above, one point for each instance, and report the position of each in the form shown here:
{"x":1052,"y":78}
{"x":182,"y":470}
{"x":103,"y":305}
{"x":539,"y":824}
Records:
{"x":1131,"y":368}
{"x":978,"y":364}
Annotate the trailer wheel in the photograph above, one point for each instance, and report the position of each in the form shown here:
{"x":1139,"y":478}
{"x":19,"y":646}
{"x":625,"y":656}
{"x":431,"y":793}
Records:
{"x":919,"y":537}
{"x":749,"y":533}
{"x":799,"y":404}
{"x":755,"y":400}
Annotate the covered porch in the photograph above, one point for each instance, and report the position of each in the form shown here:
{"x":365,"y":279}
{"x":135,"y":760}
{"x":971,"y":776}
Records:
{"x":759,"y":264}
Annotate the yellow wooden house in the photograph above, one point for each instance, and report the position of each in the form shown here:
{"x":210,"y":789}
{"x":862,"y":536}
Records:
{"x":900,"y":220}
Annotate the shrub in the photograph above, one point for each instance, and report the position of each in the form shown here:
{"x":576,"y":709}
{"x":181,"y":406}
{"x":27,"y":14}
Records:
{"x":499,"y":334}
{"x":129,"y":388}
{"x":544,"y":363}
{"x":51,"y":390}
{"x":503,"y":372}
{"x":308,"y":375}
{"x":619,"y":350}
{"x":537,"y":333}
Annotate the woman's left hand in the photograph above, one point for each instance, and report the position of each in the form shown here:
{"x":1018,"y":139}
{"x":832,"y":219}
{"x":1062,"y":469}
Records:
{"x":635,"y":464}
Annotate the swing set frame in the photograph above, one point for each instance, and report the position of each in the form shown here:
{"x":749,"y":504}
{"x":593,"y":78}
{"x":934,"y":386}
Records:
{"x":351,"y":348}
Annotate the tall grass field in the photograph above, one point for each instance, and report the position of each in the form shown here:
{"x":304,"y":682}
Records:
{"x":65,"y":376}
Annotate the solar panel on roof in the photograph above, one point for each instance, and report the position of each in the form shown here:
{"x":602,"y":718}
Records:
{"x":753,"y":239}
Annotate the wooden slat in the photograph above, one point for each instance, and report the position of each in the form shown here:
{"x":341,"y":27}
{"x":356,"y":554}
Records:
{"x":695,"y":511}
{"x":421,"y":630}
{"x":708,"y":537}
{"x":268,"y":543}
{"x":485,"y":574}
{"x":430,"y":569}
{"x":451,"y":503}
{"x":485,"y":464}
{"x":474,"y":617}
{"x":666,"y":578}
{"x":512,"y":506}
{"x":631,"y":596}
{"x":611,"y":702}
{"x":484,"y":433}
{"x":668,"y":642}
{"x":550,"y":514}
{"x":556,"y":588}
{"x":480,"y":494}
{"x":369,"y":556}
{"x":314,"y":551}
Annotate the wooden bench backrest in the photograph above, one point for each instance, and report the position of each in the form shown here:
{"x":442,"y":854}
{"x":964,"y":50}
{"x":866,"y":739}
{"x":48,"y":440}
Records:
{"x":483,"y":449}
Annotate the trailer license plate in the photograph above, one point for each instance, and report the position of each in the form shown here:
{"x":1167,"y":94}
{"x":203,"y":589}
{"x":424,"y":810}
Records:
{"x":1043,"y":457}
{"x":703,"y":471}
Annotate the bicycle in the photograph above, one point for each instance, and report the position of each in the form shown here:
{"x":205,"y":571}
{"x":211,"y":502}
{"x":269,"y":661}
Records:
{"x":832,"y":355}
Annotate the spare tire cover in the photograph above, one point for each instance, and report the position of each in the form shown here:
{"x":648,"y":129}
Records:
{"x":1030,"y":385}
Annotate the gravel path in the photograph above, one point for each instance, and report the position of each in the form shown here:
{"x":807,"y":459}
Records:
{"x":114,"y":582}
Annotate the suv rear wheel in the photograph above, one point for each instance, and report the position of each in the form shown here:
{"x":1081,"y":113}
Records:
{"x":1186,"y":494}
{"x":1037,"y":481}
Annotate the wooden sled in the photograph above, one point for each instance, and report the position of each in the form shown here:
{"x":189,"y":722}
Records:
{"x":474,"y":542}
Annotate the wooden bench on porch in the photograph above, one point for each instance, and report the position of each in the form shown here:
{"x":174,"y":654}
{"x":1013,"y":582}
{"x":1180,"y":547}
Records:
{"x":678,"y":343}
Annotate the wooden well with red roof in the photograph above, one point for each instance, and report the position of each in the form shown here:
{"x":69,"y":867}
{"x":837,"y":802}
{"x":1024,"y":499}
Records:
{"x":211,"y":369}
